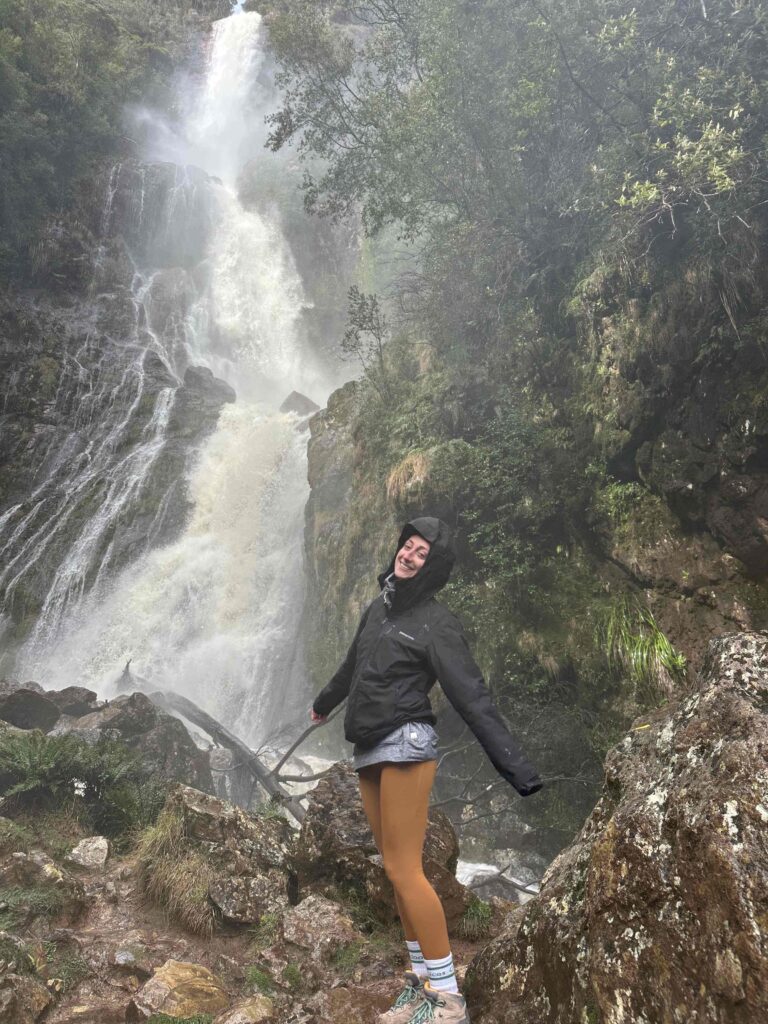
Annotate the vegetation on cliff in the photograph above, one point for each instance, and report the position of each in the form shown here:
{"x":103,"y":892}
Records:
{"x":575,"y":373}
{"x":67,"y":69}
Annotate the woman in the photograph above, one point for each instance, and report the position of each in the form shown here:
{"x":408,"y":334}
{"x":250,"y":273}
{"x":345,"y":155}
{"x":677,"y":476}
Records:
{"x":404,"y":643}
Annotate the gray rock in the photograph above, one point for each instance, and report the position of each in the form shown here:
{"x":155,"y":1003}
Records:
{"x":23,"y":1000}
{"x":28,"y":709}
{"x":74,"y":701}
{"x":336,"y":848}
{"x":320,"y":927}
{"x":296,"y":402}
{"x":668,"y":879}
{"x":90,"y":853}
{"x":165,"y":746}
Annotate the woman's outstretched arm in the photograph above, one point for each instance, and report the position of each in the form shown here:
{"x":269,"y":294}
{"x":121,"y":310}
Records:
{"x":464,"y":686}
{"x":338,"y":688}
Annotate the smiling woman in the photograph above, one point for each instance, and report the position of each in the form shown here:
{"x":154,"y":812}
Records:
{"x":404,"y":643}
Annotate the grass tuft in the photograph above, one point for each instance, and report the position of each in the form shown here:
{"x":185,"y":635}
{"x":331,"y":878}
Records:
{"x":476,"y":922}
{"x":634,"y":644}
{"x":174,"y":875}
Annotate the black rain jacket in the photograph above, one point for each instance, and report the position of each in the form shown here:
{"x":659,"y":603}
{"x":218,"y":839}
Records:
{"x":399,"y":652}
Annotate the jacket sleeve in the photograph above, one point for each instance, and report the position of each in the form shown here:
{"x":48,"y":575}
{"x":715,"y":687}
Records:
{"x":338,"y":688}
{"x":463,"y":684}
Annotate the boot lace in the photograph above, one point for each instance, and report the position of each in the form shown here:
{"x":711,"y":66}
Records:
{"x":426,"y":1011}
{"x":406,"y":996}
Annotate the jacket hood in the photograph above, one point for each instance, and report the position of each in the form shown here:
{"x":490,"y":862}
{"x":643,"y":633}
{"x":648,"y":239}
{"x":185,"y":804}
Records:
{"x":435,"y":572}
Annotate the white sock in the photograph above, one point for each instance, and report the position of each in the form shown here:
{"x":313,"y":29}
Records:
{"x":442,"y":976}
{"x":417,"y":958}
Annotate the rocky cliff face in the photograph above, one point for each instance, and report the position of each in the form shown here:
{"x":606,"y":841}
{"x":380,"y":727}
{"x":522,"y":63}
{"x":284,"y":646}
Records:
{"x":657,"y":911}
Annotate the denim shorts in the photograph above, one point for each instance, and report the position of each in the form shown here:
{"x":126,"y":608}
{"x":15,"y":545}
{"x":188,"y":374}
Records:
{"x":414,"y":741}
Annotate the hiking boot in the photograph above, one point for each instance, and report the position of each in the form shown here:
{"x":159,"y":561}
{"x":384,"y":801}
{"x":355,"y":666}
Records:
{"x":445,"y":1007}
{"x":402,"y":1008}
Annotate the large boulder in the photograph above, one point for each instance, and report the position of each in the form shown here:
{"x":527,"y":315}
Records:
{"x":657,"y":911}
{"x":74,"y":701}
{"x":319,"y":928}
{"x":27,"y":708}
{"x":250,"y":854}
{"x":179,"y":989}
{"x":23,"y":1000}
{"x":335,"y":848}
{"x":165,"y":746}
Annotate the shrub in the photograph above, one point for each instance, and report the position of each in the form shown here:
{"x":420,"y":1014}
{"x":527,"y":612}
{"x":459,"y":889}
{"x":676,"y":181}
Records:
{"x":104,"y":786}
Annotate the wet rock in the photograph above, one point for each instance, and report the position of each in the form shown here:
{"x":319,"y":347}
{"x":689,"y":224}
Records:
{"x":320,"y":927}
{"x":52,"y":890}
{"x":165,"y":746}
{"x":28,"y":709}
{"x":178,"y":989}
{"x":668,"y":879}
{"x":133,"y":957}
{"x":336,"y":848}
{"x":296,"y":402}
{"x":349,"y":1005}
{"x":90,"y":853}
{"x":74,"y":701}
{"x":250,"y":854}
{"x":23,"y":1000}
{"x":249,"y":1011}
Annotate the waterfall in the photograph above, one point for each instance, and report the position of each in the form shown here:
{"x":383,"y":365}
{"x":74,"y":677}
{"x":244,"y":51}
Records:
{"x":213,"y":613}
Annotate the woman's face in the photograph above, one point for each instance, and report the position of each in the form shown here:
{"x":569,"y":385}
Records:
{"x":411,"y":556}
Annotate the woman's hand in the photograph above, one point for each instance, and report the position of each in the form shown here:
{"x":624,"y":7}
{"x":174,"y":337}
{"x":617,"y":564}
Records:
{"x":317,"y":718}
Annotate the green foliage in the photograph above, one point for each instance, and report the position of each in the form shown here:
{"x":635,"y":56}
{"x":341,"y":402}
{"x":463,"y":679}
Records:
{"x":103,"y":785}
{"x":176,"y":875}
{"x":347,"y":957}
{"x":292,"y":976}
{"x":19,"y":903}
{"x":634,"y":644}
{"x":259,"y":979}
{"x":65,"y":968}
{"x":16,"y":956}
{"x":266,"y":932}
{"x":14,"y":837}
{"x":476,"y":921}
{"x":163,"y":1018}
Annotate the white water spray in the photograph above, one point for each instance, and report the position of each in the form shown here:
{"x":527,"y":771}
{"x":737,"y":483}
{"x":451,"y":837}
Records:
{"x":214,"y":615}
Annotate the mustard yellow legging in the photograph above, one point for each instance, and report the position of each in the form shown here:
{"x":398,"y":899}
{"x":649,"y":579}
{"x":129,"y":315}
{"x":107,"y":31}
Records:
{"x":396,"y":802}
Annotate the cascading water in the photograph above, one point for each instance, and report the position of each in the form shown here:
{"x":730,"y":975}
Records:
{"x":215,"y":613}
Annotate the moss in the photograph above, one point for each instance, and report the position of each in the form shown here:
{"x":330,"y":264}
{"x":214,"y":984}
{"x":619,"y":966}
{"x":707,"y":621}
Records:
{"x":347,"y":957}
{"x":259,"y":979}
{"x":292,"y":976}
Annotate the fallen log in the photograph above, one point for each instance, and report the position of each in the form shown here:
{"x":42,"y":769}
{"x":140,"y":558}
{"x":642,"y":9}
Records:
{"x":175,"y":703}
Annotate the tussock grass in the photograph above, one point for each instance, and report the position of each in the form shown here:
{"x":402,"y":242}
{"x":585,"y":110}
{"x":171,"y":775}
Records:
{"x":476,"y":921}
{"x":408,"y":475}
{"x":174,"y":875}
{"x":634,"y":644}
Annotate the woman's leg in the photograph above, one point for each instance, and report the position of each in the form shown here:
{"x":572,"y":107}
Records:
{"x":403,"y":805}
{"x":370,"y":792}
